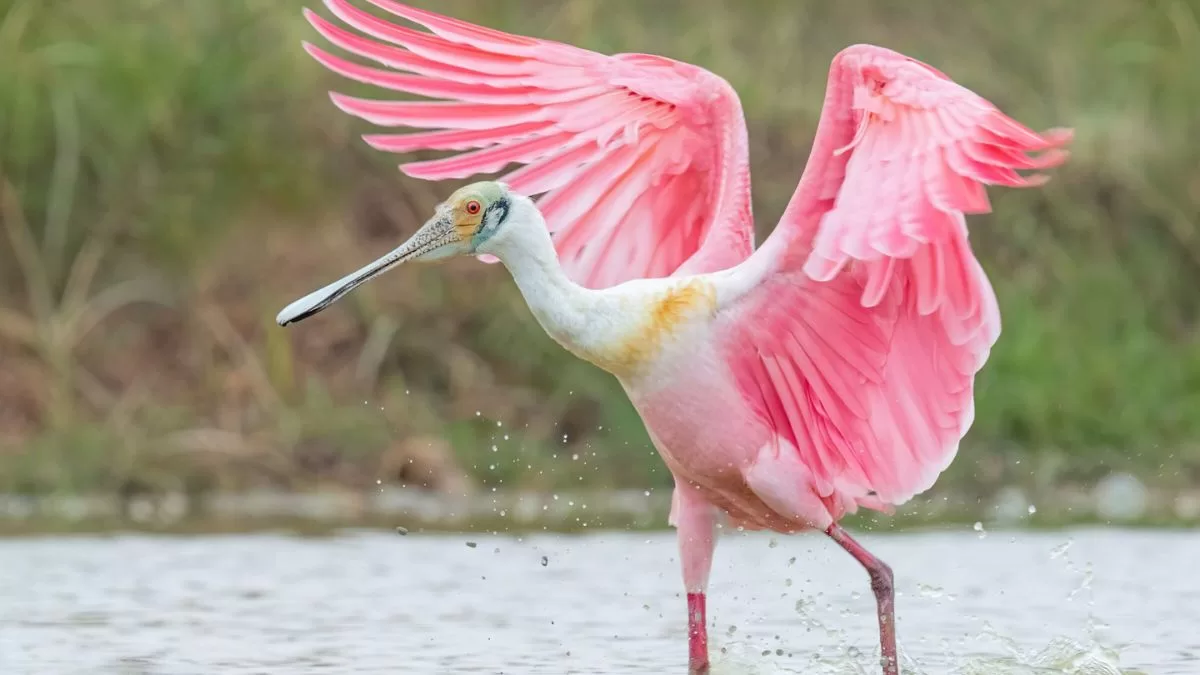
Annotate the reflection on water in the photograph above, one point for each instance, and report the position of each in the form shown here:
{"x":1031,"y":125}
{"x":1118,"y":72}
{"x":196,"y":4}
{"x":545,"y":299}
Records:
{"x":1085,"y":602}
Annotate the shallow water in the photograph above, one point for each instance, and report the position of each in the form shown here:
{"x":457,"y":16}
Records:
{"x":1086,"y":601}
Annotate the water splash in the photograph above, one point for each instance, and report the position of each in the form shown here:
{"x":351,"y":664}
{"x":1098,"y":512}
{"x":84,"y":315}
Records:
{"x":1062,"y":656}
{"x":934,"y":592}
{"x":1061,"y":550}
{"x":1084,"y":586}
{"x":741,"y":657}
{"x":1085,"y":583}
{"x":979,"y":528}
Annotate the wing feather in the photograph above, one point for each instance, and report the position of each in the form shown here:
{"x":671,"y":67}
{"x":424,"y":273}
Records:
{"x":866,"y":315}
{"x":637,"y":159}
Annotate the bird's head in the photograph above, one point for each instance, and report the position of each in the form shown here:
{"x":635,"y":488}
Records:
{"x":478,"y":219}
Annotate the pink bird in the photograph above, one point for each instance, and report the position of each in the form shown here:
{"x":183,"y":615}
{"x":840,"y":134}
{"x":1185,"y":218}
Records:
{"x":785,"y":386}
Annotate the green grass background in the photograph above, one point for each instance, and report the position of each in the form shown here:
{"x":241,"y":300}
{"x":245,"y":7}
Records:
{"x":173,"y":173}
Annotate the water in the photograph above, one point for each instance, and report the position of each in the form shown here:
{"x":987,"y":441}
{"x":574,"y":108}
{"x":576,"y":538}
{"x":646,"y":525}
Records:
{"x":1092,"y":602}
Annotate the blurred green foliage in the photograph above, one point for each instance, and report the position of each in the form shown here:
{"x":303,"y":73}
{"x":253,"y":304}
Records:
{"x":172,"y":173}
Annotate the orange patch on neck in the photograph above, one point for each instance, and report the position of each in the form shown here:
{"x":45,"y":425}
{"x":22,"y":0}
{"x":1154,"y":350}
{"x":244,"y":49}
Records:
{"x":666,"y":315}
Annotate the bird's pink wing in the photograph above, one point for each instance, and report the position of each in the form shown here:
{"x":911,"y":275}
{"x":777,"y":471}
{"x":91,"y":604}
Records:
{"x":860,"y":342}
{"x":640,"y":161}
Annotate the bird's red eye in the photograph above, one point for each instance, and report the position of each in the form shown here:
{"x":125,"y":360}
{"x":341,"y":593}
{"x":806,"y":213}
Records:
{"x":473,"y":207}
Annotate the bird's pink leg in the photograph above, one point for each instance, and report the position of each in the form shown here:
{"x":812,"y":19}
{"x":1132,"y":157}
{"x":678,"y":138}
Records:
{"x":697,"y":635}
{"x":696,"y":521}
{"x":885,"y":597}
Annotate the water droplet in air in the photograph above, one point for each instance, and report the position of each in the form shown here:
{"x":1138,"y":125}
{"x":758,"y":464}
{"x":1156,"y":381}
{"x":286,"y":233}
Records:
{"x":1085,"y":584}
{"x":1060,"y":550}
{"x":930,"y":591}
{"x":546,"y":561}
{"x":1032,"y":509}
{"x":980,"y":530}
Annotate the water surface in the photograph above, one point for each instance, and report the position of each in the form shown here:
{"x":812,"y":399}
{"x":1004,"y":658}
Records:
{"x":1085,"y":601}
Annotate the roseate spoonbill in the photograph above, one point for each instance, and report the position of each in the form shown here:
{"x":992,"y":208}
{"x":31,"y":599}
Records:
{"x":784,"y":387}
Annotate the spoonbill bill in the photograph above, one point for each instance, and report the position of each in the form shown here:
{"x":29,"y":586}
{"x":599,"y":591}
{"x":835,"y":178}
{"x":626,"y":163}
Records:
{"x":784,"y":386}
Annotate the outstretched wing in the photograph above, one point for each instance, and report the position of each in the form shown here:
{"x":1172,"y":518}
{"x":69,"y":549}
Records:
{"x":866,"y":314}
{"x":641,"y":161}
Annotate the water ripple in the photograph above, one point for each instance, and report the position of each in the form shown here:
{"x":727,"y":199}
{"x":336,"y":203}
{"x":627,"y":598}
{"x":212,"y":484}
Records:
{"x":1110,"y":602}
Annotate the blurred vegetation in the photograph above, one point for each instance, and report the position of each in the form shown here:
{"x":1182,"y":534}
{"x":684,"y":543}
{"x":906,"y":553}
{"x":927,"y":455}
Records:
{"x":171,"y":174}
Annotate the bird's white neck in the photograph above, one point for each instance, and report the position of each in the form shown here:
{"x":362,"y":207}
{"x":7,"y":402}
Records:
{"x":563,"y":308}
{"x":621,"y":329}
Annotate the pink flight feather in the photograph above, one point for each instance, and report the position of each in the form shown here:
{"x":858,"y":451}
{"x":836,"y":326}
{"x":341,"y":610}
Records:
{"x":600,"y":137}
{"x":862,"y":344}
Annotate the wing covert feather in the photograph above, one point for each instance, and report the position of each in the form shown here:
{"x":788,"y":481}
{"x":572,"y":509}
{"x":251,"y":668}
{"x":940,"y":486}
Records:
{"x":640,"y":161}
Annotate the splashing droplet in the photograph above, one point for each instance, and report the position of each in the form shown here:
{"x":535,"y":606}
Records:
{"x":928,"y":591}
{"x":1060,"y":550}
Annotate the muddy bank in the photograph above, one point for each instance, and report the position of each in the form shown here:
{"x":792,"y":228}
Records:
{"x":1120,"y":499}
